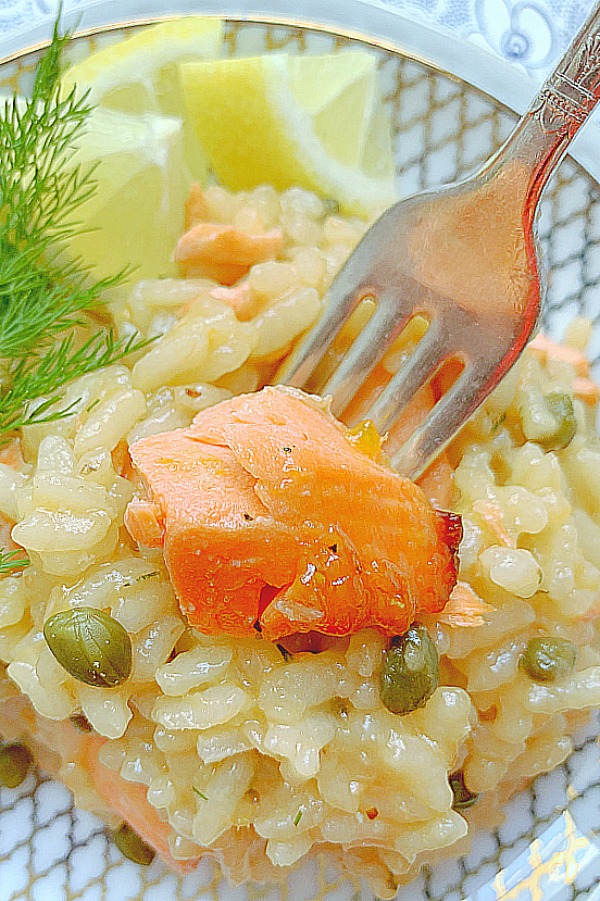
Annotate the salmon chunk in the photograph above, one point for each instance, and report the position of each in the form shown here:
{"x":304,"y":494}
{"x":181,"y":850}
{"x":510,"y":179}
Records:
{"x":129,"y":800}
{"x":222,"y":252}
{"x":271,"y":518}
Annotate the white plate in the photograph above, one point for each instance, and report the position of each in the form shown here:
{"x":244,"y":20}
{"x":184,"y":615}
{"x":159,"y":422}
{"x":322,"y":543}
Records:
{"x":50,"y":852}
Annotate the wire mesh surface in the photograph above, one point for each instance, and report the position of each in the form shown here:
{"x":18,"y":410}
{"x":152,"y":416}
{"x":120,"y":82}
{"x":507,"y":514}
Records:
{"x":443,"y":129}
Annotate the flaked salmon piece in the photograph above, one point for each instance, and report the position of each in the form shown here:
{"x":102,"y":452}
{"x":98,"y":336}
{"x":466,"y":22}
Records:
{"x":493,"y":516}
{"x":223,"y":252}
{"x":240,"y":299}
{"x":586,"y":390}
{"x":6,"y":539}
{"x":219,"y":541}
{"x":465,"y":608}
{"x":11,"y":454}
{"x":443,"y":380}
{"x":273,"y":518}
{"x":330,"y":589}
{"x":583,"y":386}
{"x":129,"y":800}
{"x":144,"y":517}
{"x":546,"y":349}
{"x":196,"y":207}
{"x":121,"y":460}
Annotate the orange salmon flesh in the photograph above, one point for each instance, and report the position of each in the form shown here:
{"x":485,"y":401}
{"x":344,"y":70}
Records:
{"x":272,"y":520}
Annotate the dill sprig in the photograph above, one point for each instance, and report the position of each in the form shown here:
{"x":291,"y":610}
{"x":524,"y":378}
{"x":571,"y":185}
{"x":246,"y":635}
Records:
{"x":32,"y":396}
{"x":41,"y":189}
{"x":44,"y":297}
{"x":11,"y":560}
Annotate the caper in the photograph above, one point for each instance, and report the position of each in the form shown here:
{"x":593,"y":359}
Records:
{"x":463,"y":797}
{"x":560,"y":407}
{"x":15,"y":761}
{"x":547,"y":659}
{"x":92,"y":646}
{"x":411,"y":671}
{"x":132,"y":846}
{"x":331,"y":206}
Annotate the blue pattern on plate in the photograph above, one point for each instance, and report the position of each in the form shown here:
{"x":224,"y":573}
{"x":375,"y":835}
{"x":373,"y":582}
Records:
{"x":529,"y":33}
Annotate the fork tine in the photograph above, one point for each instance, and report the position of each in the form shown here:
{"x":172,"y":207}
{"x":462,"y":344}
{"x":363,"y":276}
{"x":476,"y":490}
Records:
{"x":364,"y":354}
{"x":422,"y":363}
{"x":345,"y":294}
{"x":442,"y":423}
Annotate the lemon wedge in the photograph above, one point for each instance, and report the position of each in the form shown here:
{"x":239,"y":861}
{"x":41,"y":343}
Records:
{"x":314,"y":121}
{"x":140,"y":74}
{"x":135,"y":216}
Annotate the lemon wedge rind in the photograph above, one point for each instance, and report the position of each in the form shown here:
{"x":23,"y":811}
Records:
{"x":287,"y":120}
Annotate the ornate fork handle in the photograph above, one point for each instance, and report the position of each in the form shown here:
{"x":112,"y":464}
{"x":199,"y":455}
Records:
{"x":570,"y":94}
{"x":581,"y":64}
{"x":464,"y":257}
{"x":564,"y":102}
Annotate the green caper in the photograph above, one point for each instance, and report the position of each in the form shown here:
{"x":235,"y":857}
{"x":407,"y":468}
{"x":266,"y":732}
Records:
{"x":560,"y":407}
{"x":92,"y":646}
{"x":411,"y":671}
{"x":15,"y":761}
{"x":547,"y":659}
{"x":462,"y":796}
{"x":132,"y":846}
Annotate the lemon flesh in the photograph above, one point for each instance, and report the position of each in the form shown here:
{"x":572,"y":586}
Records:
{"x":140,"y":74}
{"x":313,"y":121}
{"x":135,"y":216}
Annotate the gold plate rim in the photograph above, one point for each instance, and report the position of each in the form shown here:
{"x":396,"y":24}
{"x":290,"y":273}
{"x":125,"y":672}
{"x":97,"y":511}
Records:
{"x":378,"y":43}
{"x":584,"y":156}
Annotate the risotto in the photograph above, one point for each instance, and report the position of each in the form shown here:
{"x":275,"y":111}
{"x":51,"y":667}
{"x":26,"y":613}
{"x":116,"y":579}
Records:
{"x":258,"y":753}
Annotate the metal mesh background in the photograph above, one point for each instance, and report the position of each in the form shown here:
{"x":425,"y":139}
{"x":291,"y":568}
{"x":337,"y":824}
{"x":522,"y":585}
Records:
{"x":443,"y":129}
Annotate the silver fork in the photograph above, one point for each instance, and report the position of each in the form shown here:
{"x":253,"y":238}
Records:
{"x":464,"y":257}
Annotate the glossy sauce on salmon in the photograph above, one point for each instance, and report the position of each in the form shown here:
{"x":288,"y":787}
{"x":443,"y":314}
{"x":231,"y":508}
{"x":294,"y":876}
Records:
{"x":271,"y":518}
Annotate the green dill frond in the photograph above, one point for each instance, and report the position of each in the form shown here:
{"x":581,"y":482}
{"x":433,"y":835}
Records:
{"x":39,"y":191}
{"x":50,"y":66}
{"x":43,"y":295}
{"x":12,"y":560}
{"x":33,"y":396}
{"x":37,"y":304}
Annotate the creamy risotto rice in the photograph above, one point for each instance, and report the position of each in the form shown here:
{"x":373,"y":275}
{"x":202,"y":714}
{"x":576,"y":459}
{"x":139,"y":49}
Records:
{"x":253,"y":753}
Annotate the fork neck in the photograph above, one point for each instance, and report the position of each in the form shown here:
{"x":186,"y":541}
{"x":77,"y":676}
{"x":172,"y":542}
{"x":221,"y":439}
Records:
{"x":563,"y":104}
